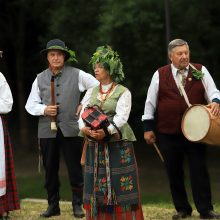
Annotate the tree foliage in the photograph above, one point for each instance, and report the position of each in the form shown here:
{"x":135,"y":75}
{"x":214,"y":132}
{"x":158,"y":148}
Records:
{"x":136,"y":29}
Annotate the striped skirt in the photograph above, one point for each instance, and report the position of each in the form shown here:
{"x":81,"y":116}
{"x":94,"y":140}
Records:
{"x":10,"y":200}
{"x":111,"y":186}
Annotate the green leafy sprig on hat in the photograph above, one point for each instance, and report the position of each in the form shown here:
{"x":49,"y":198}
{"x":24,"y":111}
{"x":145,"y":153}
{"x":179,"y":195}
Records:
{"x":110,"y":60}
{"x":72,"y":57}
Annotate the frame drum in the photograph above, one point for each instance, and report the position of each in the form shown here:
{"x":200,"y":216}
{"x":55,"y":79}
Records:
{"x":199,"y":125}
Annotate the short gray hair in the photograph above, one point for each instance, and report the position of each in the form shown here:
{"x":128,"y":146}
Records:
{"x":175,"y":43}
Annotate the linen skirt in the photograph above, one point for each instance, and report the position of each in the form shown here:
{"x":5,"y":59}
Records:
{"x":111,"y":186}
{"x":9,"y":201}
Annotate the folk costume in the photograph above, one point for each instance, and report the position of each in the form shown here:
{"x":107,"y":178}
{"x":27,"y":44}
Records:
{"x":111,"y":187}
{"x":9,"y":200}
{"x":68,"y":83}
{"x":164,"y":96}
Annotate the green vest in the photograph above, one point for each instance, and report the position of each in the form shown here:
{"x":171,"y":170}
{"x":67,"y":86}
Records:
{"x":109,"y":107}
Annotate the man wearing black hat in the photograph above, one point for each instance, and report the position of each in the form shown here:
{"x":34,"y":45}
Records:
{"x":55,"y":97}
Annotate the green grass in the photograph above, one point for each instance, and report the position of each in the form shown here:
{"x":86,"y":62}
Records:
{"x":155,"y":194}
{"x":155,"y":198}
{"x":33,"y":187}
{"x":30,"y":211}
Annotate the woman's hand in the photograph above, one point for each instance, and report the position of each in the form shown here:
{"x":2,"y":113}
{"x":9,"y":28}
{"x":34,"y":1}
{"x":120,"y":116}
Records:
{"x":97,"y":134}
{"x":86,"y":131}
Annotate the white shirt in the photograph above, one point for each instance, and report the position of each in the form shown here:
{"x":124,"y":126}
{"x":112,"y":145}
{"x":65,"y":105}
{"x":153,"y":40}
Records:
{"x":122,"y":110}
{"x":6,"y":99}
{"x":152,"y":94}
{"x":6,"y":102}
{"x":34,"y":105}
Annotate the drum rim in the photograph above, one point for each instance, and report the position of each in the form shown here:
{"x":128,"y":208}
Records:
{"x":182,"y":122}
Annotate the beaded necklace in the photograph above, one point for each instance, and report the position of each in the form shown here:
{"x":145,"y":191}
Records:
{"x":104,"y":95}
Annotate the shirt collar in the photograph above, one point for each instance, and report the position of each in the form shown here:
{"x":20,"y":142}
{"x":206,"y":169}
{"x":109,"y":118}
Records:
{"x":58,"y":74}
{"x":174,"y":69}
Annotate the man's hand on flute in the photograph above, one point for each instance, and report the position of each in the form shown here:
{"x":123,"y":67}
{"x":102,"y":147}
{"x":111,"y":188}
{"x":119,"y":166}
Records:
{"x":51,"y":110}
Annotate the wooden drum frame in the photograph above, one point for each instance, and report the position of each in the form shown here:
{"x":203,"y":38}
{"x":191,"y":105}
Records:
{"x":199,"y":125}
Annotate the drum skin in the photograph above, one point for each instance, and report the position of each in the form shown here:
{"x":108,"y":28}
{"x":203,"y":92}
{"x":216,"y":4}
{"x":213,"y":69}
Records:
{"x":199,"y":125}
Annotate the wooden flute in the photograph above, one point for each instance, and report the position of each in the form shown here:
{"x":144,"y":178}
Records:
{"x":53,"y":125}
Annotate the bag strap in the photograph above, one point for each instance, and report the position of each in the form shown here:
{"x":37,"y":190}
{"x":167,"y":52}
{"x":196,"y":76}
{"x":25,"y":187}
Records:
{"x":183,"y":92}
{"x":116,"y":127}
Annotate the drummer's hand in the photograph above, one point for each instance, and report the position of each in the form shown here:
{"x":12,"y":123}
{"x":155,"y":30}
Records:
{"x":149,"y":137}
{"x":214,"y":108}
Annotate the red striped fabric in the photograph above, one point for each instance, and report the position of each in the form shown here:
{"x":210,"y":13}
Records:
{"x":129,"y":215}
{"x":10,"y":200}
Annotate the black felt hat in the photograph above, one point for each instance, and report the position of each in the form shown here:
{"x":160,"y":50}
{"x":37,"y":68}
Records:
{"x":56,"y":44}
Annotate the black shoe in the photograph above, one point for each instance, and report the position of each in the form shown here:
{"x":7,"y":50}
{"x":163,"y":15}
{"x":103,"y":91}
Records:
{"x":180,"y":215}
{"x":52,"y":210}
{"x":78,"y":211}
{"x":210,"y":215}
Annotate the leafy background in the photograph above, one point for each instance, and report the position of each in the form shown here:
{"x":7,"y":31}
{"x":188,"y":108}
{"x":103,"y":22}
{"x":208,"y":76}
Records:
{"x":138,"y":29}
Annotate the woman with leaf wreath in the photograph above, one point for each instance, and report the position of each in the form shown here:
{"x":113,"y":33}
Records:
{"x":111,"y":189}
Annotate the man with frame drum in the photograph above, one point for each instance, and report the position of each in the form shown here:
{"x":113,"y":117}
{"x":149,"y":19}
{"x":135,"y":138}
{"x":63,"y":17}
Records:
{"x":165,"y":97}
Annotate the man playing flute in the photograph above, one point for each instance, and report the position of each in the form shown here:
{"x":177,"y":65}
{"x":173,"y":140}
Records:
{"x":68,"y":84}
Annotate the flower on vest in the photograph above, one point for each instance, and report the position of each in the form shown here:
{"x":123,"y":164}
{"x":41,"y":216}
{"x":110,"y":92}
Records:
{"x":197,"y":74}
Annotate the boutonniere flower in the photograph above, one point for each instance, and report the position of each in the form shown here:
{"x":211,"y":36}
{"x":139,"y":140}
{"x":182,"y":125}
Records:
{"x":197,"y":74}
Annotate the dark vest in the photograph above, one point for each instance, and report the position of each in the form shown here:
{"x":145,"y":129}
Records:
{"x":171,"y":105}
{"x":67,"y":97}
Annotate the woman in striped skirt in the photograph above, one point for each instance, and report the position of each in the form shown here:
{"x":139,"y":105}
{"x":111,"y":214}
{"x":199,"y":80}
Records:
{"x":8,"y":192}
{"x":111,"y":188}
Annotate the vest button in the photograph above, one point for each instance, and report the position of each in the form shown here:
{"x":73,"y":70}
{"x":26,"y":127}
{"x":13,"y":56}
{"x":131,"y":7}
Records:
{"x":58,"y":94}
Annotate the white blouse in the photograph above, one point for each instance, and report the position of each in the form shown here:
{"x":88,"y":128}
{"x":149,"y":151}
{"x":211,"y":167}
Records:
{"x":6,"y":99}
{"x":122,"y":110}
